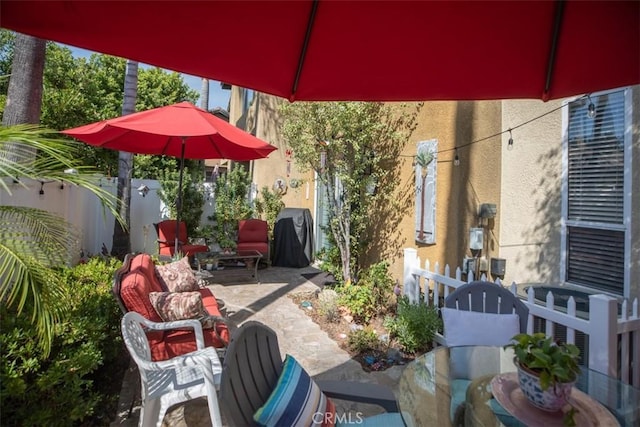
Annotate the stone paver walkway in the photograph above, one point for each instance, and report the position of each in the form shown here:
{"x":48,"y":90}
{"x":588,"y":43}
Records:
{"x":298,"y":335}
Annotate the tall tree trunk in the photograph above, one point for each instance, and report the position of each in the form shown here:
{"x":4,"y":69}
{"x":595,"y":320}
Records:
{"x":24,"y":95}
{"x":121,"y":237}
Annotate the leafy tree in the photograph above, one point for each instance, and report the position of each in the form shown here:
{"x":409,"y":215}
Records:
{"x":192,"y":197}
{"x":77,"y":91}
{"x":268,"y":205}
{"x":354,"y":147}
{"x":232,"y":204}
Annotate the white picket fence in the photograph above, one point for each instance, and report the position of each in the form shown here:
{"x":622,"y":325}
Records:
{"x":614,"y":340}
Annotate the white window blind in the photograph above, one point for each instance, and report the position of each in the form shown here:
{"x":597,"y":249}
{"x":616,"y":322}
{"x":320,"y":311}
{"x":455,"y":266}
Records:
{"x":595,"y":193}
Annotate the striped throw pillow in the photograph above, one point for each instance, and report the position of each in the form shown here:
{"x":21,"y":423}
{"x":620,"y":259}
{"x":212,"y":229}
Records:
{"x":296,"y":401}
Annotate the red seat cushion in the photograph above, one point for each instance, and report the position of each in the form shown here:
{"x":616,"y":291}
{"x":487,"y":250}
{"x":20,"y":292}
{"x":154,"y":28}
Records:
{"x":253,"y":235}
{"x":134,"y":289}
{"x":167,"y":237}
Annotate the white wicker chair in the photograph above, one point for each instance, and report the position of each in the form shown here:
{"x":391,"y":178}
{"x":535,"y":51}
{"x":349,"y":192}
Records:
{"x":168,"y":382}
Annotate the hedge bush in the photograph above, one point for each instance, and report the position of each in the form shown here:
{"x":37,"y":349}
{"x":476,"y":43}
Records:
{"x":79,"y":382}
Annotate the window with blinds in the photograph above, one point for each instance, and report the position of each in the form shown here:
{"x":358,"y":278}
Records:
{"x":595,"y":192}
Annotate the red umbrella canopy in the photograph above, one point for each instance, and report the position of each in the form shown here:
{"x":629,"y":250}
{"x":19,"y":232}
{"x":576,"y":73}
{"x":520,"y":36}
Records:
{"x":355,"y":50}
{"x":162,"y":130}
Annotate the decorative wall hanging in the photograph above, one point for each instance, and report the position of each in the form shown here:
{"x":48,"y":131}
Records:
{"x":425,"y":196}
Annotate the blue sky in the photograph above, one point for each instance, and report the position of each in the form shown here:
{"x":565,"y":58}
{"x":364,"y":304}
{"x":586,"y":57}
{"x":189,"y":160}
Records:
{"x":218,"y":97}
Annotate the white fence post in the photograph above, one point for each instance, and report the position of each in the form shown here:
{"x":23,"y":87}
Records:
{"x":410,"y":284}
{"x":603,"y":322}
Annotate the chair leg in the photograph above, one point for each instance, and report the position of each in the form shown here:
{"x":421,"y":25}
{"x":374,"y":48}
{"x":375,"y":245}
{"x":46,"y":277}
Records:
{"x":150,"y":413}
{"x":212,"y":402}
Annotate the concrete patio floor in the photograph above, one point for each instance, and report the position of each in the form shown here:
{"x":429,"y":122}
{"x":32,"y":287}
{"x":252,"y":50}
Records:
{"x":298,"y":335}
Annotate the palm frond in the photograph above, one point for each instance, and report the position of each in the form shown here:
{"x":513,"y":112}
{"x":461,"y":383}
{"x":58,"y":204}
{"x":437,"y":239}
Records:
{"x":31,"y":151}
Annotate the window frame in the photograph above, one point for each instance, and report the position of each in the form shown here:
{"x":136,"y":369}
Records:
{"x":625,"y":226}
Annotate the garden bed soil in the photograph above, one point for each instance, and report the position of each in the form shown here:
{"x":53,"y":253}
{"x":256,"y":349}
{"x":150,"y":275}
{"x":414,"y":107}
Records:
{"x":372,"y":360}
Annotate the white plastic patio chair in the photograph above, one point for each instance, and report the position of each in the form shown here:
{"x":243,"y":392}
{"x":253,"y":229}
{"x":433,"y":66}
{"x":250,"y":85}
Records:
{"x":168,"y":382}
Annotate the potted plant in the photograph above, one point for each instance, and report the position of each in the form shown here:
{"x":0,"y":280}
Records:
{"x":547,"y":370}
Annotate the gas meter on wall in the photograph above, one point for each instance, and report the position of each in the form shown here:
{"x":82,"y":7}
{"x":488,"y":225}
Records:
{"x":476,"y":238}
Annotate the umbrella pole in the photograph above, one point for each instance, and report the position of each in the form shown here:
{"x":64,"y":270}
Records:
{"x":179,"y":198}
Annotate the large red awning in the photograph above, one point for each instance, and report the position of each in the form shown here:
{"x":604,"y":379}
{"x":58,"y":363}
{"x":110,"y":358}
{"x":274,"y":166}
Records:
{"x":357,"y":50}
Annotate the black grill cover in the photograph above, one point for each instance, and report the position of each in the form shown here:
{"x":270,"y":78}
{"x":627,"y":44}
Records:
{"x":293,"y":238}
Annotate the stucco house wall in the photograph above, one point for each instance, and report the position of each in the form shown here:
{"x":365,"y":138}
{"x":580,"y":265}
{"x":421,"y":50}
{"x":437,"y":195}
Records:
{"x":525,"y":183}
{"x":531,"y":193}
{"x":460,"y":189}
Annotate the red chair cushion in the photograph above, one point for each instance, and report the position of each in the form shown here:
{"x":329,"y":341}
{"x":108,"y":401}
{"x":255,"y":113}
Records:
{"x":253,"y":230}
{"x":167,"y":237}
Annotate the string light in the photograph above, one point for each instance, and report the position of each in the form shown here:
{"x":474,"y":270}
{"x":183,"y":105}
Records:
{"x":505,"y":131}
{"x":41,"y":192}
{"x":591,"y":110}
{"x":456,"y":160}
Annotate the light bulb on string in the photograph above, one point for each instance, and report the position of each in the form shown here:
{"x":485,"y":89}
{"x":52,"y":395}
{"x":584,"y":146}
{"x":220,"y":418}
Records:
{"x":456,"y":159}
{"x":591,"y":109}
{"x":41,"y":192}
{"x":510,"y":143}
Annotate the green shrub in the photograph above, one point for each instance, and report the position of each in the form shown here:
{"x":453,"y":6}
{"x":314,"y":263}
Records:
{"x":359,"y":300}
{"x":414,"y":325}
{"x":328,"y":305}
{"x":371,"y":296}
{"x":362,"y":340}
{"x":329,"y":258}
{"x":78,"y":381}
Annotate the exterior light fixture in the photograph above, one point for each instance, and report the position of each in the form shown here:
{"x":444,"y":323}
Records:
{"x":143,"y":190}
{"x":591,"y":109}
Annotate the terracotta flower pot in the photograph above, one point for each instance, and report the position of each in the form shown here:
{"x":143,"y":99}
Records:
{"x":552,"y":399}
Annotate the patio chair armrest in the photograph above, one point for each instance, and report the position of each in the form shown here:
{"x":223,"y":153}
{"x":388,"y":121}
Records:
{"x":361,"y":392}
{"x":170,"y":242}
{"x":206,"y":357}
{"x":179,"y":324}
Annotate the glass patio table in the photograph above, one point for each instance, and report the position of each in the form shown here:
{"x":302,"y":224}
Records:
{"x":453,"y":386}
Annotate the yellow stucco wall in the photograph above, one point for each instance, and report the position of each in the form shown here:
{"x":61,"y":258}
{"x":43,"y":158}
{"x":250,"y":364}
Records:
{"x":524,"y":183}
{"x":460,"y":190}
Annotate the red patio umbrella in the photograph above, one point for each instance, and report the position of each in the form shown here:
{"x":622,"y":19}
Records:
{"x":361,"y":50}
{"x":180,"y":130}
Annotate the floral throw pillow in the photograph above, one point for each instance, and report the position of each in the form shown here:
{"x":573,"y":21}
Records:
{"x":177,"y":305}
{"x":177,"y":276}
